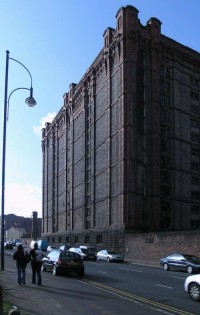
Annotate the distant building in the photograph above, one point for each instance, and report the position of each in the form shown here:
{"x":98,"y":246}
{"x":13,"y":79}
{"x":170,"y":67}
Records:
{"x":21,"y":226}
{"x":122,"y":155}
{"x":15,"y":233}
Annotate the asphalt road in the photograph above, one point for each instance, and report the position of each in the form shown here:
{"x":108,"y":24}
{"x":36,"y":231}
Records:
{"x":108,"y":289}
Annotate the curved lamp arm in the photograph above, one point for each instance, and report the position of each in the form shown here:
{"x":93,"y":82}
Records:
{"x":24,"y":68}
{"x":30,"y":100}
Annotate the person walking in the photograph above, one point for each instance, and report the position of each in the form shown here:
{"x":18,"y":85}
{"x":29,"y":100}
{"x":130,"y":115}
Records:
{"x":36,"y":256}
{"x":22,"y":258}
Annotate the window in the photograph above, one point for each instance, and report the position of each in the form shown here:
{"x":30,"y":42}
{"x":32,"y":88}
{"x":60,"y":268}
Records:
{"x":195,"y":137}
{"x":87,"y":239}
{"x":76,"y":239}
{"x":165,"y":191}
{"x":106,"y":41}
{"x":194,"y":165}
{"x":195,"y":180}
{"x":119,"y":22}
{"x":194,"y":109}
{"x":194,"y":95}
{"x":165,"y":116}
{"x":165,"y":71}
{"x":194,"y":82}
{"x":195,"y":194}
{"x":166,"y":177}
{"x":195,"y":224}
{"x":194,"y":123}
{"x":195,"y":209}
{"x":195,"y":151}
{"x":99,"y":238}
{"x":165,"y":131}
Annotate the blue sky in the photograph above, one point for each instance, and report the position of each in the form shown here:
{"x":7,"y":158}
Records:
{"x":57,"y":41}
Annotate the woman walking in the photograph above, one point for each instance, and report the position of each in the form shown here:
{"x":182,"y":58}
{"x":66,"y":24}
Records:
{"x":21,"y":257}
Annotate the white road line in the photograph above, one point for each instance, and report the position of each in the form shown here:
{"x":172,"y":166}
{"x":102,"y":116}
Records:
{"x":177,"y":277}
{"x":131,"y":269}
{"x":103,"y":272}
{"x":163,"y":286}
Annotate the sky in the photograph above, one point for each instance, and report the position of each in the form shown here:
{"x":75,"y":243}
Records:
{"x":57,"y":41}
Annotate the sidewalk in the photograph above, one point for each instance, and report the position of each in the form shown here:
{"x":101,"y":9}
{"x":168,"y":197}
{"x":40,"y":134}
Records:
{"x":18,"y":296}
{"x":31,"y":299}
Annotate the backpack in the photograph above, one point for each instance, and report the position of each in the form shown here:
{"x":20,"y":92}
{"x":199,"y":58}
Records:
{"x":27,"y":257}
{"x":39,"y":255}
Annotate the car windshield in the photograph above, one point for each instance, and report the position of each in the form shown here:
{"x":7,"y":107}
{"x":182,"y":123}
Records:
{"x":69,"y":256}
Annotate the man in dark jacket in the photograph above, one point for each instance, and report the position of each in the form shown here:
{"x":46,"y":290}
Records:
{"x":21,"y":257}
{"x":36,"y":256}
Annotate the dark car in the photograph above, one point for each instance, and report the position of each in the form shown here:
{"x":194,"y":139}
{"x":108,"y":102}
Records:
{"x":63,"y":262}
{"x":182,"y":262}
{"x":85,"y":253}
{"x":8,"y":245}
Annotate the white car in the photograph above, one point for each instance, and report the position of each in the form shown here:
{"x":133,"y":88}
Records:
{"x":109,"y":255}
{"x":192,"y":286}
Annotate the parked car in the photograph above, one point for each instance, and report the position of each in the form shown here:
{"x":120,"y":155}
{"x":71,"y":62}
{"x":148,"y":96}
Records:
{"x":64,"y":247}
{"x":109,"y":255}
{"x":51,"y":247}
{"x":192,"y":286}
{"x":90,"y":248}
{"x":183,"y":262}
{"x":85,"y":253}
{"x":62,"y":262}
{"x":8,"y":245}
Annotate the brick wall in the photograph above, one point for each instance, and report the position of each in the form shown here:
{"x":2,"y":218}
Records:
{"x":153,"y":246}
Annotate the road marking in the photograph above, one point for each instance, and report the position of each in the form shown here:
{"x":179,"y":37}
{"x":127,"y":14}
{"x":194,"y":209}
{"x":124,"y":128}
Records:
{"x":177,"y":277}
{"x":131,"y":269}
{"x":163,"y":286}
{"x":166,"y":309}
{"x":103,"y":272}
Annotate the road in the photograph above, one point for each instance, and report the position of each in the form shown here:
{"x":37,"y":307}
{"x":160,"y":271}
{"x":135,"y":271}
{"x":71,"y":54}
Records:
{"x":111,"y":289}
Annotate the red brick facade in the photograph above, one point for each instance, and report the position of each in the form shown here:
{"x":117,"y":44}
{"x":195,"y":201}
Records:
{"x":123,"y":152}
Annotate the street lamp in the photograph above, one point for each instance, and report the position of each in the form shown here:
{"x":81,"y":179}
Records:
{"x":30,"y":101}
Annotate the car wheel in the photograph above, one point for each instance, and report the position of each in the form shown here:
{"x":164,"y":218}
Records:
{"x":81,"y":273}
{"x":165,"y":266}
{"x":55,"y":271}
{"x":108,"y":259}
{"x":43,"y":268}
{"x":189,"y":269}
{"x":194,"y":291}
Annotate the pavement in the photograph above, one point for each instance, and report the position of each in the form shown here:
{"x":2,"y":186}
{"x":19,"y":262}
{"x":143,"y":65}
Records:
{"x":29,"y":299}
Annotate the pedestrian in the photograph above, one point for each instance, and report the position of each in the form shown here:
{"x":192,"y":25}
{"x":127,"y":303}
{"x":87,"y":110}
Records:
{"x":22,"y":258}
{"x":36,"y":256}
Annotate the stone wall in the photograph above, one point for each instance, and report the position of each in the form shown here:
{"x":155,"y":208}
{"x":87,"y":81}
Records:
{"x":153,"y":246}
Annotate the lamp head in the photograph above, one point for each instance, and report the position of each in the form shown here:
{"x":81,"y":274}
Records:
{"x":30,"y":101}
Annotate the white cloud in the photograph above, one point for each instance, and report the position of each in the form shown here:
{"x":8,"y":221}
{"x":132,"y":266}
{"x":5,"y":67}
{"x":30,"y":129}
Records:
{"x":48,"y":118}
{"x":22,"y":200}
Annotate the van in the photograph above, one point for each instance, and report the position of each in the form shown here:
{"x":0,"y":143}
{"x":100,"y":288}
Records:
{"x":43,"y":244}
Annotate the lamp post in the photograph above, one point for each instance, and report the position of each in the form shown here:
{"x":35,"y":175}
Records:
{"x":30,"y":101}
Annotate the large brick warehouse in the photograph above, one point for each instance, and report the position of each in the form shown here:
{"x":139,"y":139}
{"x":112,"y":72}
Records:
{"x":122,"y":156}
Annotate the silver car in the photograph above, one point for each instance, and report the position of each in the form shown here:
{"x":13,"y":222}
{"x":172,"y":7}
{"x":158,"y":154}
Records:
{"x":192,"y":286}
{"x":109,"y":255}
